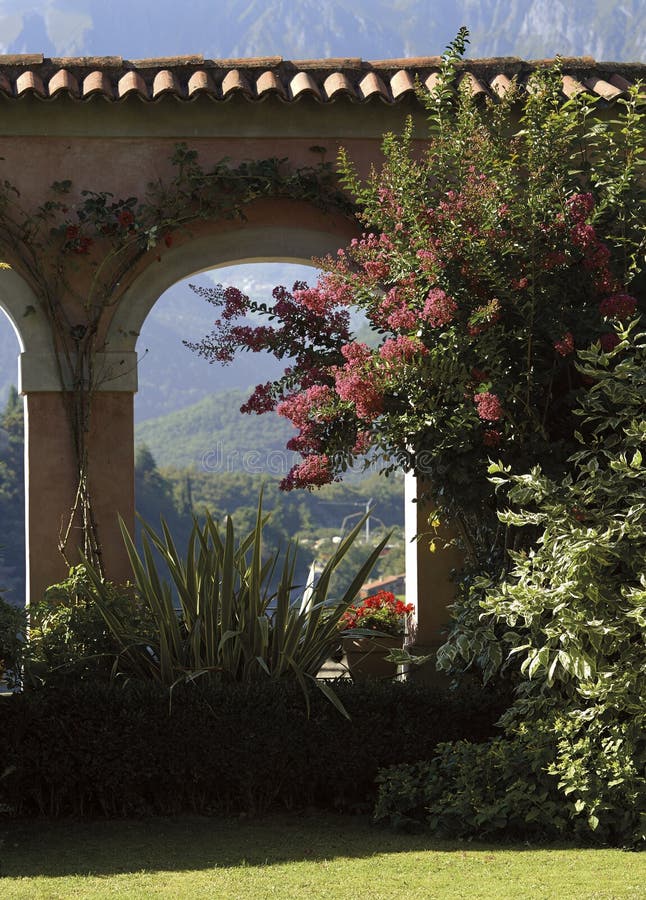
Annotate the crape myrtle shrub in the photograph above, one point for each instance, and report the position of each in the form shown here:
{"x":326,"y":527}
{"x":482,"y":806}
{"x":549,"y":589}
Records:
{"x":489,"y":256}
{"x":110,"y":750}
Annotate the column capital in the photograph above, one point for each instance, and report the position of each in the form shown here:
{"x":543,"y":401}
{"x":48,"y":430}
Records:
{"x":113,"y":371}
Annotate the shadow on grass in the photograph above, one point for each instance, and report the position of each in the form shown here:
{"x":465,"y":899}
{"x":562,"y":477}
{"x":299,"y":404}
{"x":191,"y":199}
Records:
{"x":59,"y":848}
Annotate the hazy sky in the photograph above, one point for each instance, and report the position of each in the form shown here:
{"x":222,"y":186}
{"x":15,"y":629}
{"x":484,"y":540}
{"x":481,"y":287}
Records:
{"x":372,"y":29}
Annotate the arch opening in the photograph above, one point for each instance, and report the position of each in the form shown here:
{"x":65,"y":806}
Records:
{"x":12,"y":474}
{"x":208,"y":454}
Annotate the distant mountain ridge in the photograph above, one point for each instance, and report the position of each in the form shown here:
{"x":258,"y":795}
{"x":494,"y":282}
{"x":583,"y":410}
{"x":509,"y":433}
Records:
{"x":372,"y":29}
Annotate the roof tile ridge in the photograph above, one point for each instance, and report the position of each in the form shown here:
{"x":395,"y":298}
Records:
{"x":21,"y":59}
{"x":332,"y":62}
{"x":242,"y":62}
{"x":85,"y":62}
{"x":405,"y":62}
{"x":570,"y":62}
{"x":165,"y":62}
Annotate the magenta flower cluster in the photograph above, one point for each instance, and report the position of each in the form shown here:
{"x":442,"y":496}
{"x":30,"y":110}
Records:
{"x":488,"y":406}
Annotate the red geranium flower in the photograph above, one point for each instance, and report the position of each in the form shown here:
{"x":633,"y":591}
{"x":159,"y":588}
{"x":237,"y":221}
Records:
{"x":379,"y":612}
{"x":125,"y":218}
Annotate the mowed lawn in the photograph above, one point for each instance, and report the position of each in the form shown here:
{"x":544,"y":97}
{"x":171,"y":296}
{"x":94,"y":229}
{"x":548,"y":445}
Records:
{"x":304,"y":857}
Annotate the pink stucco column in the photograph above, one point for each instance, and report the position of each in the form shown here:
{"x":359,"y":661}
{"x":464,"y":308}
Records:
{"x":429,"y":575}
{"x":51,"y":482}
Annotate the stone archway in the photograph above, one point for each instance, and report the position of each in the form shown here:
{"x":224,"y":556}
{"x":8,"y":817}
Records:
{"x":276,"y":232}
{"x":285,"y":232}
{"x":111,"y":125}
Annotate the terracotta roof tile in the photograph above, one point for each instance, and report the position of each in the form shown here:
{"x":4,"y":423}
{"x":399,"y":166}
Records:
{"x":270,"y":83}
{"x":501,"y":85}
{"x":603,"y":88}
{"x":255,"y":79}
{"x":165,"y":82}
{"x":572,"y":86}
{"x":432,"y":81}
{"x":370,"y":85}
{"x":476,"y":87}
{"x":97,"y":82}
{"x":63,"y":81}
{"x":235,"y":81}
{"x":303,"y":83}
{"x":338,"y":84}
{"x":30,"y":81}
{"x":199,"y":82}
{"x":132,"y":82}
{"x":401,"y":83}
{"x":619,"y":82}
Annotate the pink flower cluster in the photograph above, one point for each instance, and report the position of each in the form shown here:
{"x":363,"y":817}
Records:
{"x":439,"y":308}
{"x":618,"y":306}
{"x":401,"y":349}
{"x":355,"y":381}
{"x":371,"y":255}
{"x":488,"y":406}
{"x":261,"y":401}
{"x":231,"y":338}
{"x":360,"y":390}
{"x":305,"y":406}
{"x":314,"y":471}
{"x":235,"y":303}
{"x":356,"y":353}
{"x":565,"y":346}
{"x":429,"y":258}
{"x":596,"y":255}
{"x":580,"y":206}
{"x":306,"y":410}
{"x":376,"y":269}
{"x":329,"y":293}
{"x":396,"y":312}
{"x":608,"y":341}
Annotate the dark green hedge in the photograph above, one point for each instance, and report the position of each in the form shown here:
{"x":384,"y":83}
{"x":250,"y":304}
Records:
{"x":108,"y":750}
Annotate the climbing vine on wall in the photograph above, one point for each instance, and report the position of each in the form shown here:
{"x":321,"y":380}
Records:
{"x":75,"y":232}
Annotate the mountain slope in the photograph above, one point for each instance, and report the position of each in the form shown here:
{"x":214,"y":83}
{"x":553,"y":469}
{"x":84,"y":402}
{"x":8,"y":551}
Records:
{"x":214,"y":436}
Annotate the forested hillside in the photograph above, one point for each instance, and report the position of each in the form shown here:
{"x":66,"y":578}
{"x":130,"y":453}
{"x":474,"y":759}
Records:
{"x":12,"y":502}
{"x":176,"y":493}
{"x":314,"y":519}
{"x":215,"y":436}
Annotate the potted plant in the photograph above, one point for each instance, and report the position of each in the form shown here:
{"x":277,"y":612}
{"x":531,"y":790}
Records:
{"x":370,"y":631}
